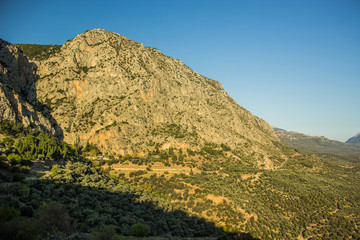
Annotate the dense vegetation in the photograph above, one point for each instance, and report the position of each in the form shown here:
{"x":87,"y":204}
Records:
{"x":39,"y":52}
{"x":84,"y":194}
{"x":307,"y":198}
{"x":78,"y":196}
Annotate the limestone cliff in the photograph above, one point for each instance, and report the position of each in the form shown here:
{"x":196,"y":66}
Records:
{"x":107,"y":90}
{"x":18,"y":100}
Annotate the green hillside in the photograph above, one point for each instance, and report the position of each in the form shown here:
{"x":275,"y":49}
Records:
{"x":215,"y":192}
{"x":39,"y":52}
{"x":78,"y":198}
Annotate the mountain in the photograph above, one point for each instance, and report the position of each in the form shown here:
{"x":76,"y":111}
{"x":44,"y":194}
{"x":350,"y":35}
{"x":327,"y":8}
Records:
{"x":107,"y":90}
{"x":319,"y":145}
{"x":153,"y":149}
{"x":354,"y":139}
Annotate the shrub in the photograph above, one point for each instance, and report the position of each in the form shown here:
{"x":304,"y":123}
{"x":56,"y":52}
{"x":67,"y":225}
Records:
{"x":140,"y":230}
{"x":54,"y":217}
{"x":105,"y":232}
{"x":225,"y":147}
{"x":8,"y":213}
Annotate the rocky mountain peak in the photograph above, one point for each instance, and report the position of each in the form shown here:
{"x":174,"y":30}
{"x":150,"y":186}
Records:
{"x":105,"y":89}
{"x":354,"y":139}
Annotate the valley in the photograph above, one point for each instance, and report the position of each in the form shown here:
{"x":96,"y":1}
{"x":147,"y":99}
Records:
{"x":329,"y":149}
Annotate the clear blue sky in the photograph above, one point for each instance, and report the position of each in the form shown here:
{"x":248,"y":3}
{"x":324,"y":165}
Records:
{"x":294,"y":63}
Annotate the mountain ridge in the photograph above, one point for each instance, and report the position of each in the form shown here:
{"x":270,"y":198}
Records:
{"x":319,"y":145}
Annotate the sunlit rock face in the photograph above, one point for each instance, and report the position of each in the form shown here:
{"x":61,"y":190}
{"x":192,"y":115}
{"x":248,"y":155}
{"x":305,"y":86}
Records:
{"x":107,"y":90}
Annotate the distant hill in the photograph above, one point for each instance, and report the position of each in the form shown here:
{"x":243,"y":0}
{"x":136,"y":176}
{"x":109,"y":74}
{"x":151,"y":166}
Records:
{"x":320,"y":145}
{"x":354,"y":139}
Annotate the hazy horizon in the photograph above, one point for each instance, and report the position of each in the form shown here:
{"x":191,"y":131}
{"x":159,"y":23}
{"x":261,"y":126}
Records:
{"x":294,"y":64}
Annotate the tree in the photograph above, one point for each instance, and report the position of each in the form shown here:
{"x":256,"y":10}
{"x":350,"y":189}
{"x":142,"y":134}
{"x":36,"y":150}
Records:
{"x":8,"y":213}
{"x":8,"y":141}
{"x":140,"y":230}
{"x":53,"y":217}
{"x":105,"y":232}
{"x":14,"y":159}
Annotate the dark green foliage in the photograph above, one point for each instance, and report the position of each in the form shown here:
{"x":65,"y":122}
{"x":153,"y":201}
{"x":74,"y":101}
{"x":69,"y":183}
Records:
{"x":53,"y":217}
{"x":140,"y":230}
{"x":11,"y":128}
{"x":20,"y":228}
{"x":8,"y":213}
{"x":39,"y":52}
{"x":210,"y":149}
{"x":105,"y":232}
{"x":29,"y":145}
{"x":87,"y":198}
{"x":38,"y":144}
{"x":225,"y":147}
{"x":190,"y":152}
{"x":170,"y":129}
{"x":137,"y":173}
{"x":91,"y":150}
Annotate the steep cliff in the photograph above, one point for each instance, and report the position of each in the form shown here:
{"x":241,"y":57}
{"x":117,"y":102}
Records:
{"x":18,"y":98}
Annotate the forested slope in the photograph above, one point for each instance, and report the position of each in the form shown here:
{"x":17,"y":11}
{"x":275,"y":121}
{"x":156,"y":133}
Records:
{"x":215,"y":191}
{"x":77,"y":198}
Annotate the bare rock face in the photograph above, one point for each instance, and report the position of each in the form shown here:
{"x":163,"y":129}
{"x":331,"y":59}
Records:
{"x":18,"y":101}
{"x":107,"y":90}
{"x":16,"y":71}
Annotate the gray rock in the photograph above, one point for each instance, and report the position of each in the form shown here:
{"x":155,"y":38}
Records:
{"x":18,"y":99}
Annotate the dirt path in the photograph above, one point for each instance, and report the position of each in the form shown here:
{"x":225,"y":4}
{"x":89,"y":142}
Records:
{"x":283,"y":163}
{"x":153,"y":169}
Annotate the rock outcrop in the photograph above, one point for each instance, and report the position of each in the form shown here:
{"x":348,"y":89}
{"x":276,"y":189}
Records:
{"x":18,"y":100}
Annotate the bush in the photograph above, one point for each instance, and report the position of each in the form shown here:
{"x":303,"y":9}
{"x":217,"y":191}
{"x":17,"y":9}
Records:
{"x":140,"y":230}
{"x":8,"y":213}
{"x":105,"y":232}
{"x":53,"y":217}
{"x":225,"y":147}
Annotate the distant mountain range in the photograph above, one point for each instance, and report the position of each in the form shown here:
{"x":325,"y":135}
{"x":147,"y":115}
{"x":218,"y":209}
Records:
{"x":354,"y":139}
{"x":321,"y":145}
